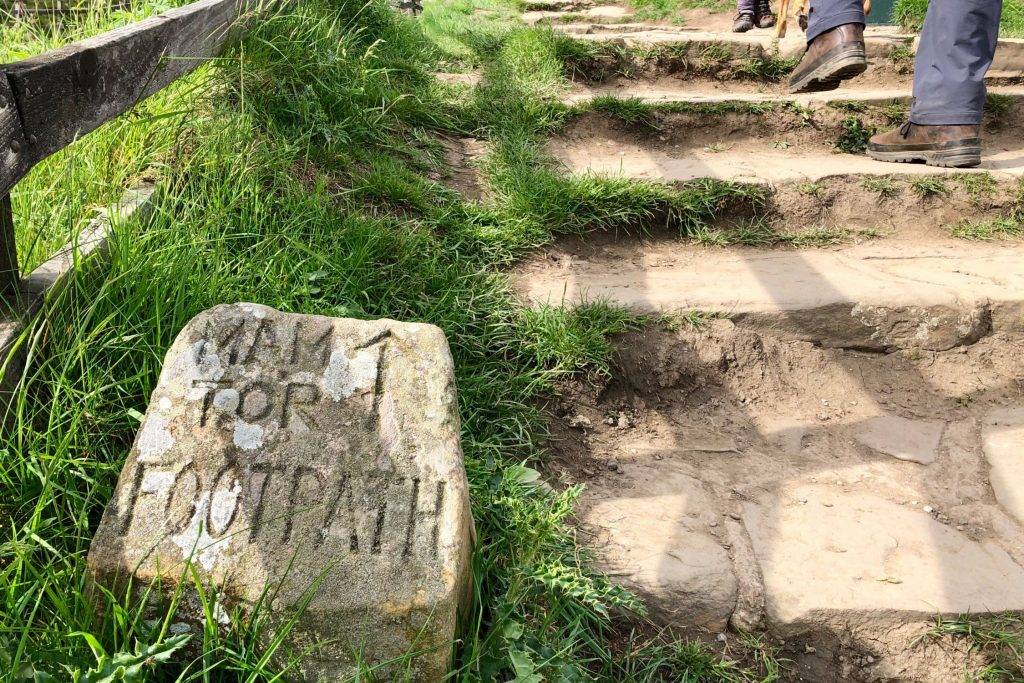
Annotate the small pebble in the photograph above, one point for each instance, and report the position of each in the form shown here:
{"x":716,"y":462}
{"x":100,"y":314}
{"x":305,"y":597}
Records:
{"x":929,"y":509}
{"x":613,"y":465}
{"x":722,"y":637}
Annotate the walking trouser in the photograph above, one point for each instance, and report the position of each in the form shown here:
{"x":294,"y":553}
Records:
{"x":957,"y":45}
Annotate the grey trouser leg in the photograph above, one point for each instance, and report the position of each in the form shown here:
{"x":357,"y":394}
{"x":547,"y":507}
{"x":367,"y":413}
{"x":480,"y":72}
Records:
{"x":957,"y":46}
{"x":827,"y":14}
{"x":744,"y":6}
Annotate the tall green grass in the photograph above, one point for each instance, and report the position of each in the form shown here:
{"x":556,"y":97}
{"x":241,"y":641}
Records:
{"x":58,"y":197}
{"x":300,"y":177}
{"x":910,"y":14}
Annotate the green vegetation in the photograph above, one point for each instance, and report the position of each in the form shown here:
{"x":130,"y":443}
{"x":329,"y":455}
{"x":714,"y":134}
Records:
{"x":56,"y":200}
{"x":988,"y":230}
{"x":910,"y":14}
{"x":672,"y":10}
{"x":884,"y":186}
{"x":895,"y":113}
{"x":930,"y":186}
{"x":1000,"y":638}
{"x":979,"y":186}
{"x":983,"y":188}
{"x":298,"y":173}
{"x":997,"y":107}
{"x":902,"y":58}
{"x":592,"y":60}
{"x":855,"y":135}
{"x":760,"y":232}
{"x":693,"y":319}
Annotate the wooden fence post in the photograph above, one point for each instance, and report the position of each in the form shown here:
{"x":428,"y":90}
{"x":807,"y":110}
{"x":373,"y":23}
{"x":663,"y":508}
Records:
{"x":10,"y":277}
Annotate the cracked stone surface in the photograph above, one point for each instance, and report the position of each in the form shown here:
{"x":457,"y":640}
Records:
{"x":653,"y":535}
{"x":284,"y":451}
{"x":913,"y":440}
{"x":767,"y":483}
{"x":1003,"y":437}
{"x":840,"y":552}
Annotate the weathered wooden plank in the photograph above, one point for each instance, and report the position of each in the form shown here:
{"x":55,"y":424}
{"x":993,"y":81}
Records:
{"x":66,"y":93}
{"x":13,"y":152}
{"x":10,"y":277}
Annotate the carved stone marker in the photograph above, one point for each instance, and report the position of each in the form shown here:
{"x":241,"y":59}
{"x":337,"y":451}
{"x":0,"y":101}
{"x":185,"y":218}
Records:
{"x":287,"y":452}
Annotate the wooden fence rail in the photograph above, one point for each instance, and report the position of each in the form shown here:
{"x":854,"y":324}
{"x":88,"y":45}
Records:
{"x":49,"y":101}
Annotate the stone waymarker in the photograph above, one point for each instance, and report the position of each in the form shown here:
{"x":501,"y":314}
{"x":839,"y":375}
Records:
{"x":283,"y":450}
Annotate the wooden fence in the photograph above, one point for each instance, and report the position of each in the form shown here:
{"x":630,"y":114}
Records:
{"x":49,"y":101}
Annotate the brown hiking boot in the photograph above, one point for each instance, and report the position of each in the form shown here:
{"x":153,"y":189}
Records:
{"x":743,"y":23}
{"x":832,"y":57}
{"x":951,"y":146}
{"x":763,"y":15}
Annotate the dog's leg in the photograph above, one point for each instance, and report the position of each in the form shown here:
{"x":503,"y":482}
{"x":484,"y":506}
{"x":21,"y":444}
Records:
{"x":867,"y":7}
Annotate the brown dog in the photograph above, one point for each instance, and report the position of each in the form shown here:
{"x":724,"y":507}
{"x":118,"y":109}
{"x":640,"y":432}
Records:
{"x":780,"y":25}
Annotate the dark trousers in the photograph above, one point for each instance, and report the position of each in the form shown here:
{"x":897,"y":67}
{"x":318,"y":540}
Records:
{"x":956,"y":50}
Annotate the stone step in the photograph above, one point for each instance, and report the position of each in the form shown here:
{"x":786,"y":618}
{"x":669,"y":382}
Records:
{"x":672,"y":91}
{"x":888,"y":48}
{"x":557,"y":6}
{"x":602,"y":14}
{"x":753,"y":137}
{"x":929,"y":293}
{"x":609,"y":157}
{"x":839,"y":500}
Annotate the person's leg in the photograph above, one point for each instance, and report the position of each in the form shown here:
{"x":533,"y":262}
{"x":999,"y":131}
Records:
{"x":828,"y":14}
{"x":835,"y":46}
{"x":744,"y":16}
{"x":956,"y":50}
{"x":763,"y":15}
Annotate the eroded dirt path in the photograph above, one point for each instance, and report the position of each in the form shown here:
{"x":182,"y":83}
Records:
{"x":830,"y":448}
{"x":839,"y":499}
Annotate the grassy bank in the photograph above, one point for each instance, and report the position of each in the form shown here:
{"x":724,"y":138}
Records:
{"x":910,"y":14}
{"x":55,"y":201}
{"x":303,"y":177}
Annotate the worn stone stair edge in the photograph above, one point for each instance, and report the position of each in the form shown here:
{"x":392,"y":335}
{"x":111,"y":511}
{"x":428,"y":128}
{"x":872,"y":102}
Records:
{"x":1009,"y":57}
{"x":662,"y":96}
{"x":48,"y":279}
{"x":871,"y":297}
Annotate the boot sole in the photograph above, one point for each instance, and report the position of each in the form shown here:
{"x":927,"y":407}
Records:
{"x":967,"y":156}
{"x":829,"y":75}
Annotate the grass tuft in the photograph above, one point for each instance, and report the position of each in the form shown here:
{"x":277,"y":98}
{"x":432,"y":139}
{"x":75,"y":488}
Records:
{"x":930,"y":186}
{"x":300,"y":171}
{"x":911,"y":13}
{"x":855,"y":135}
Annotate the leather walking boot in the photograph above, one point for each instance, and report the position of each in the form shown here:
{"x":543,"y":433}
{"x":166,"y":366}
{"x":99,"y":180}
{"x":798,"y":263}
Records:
{"x":743,"y":23}
{"x":763,"y":15}
{"x":950,"y":146}
{"x":832,"y":57}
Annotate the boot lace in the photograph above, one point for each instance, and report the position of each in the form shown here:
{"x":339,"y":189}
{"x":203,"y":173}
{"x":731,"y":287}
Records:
{"x":905,"y":129}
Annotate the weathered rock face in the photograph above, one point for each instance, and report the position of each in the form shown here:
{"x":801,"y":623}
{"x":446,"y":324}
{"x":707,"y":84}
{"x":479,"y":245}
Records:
{"x":284,"y":450}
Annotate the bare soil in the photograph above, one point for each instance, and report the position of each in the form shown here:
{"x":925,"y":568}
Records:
{"x":762,"y":464}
